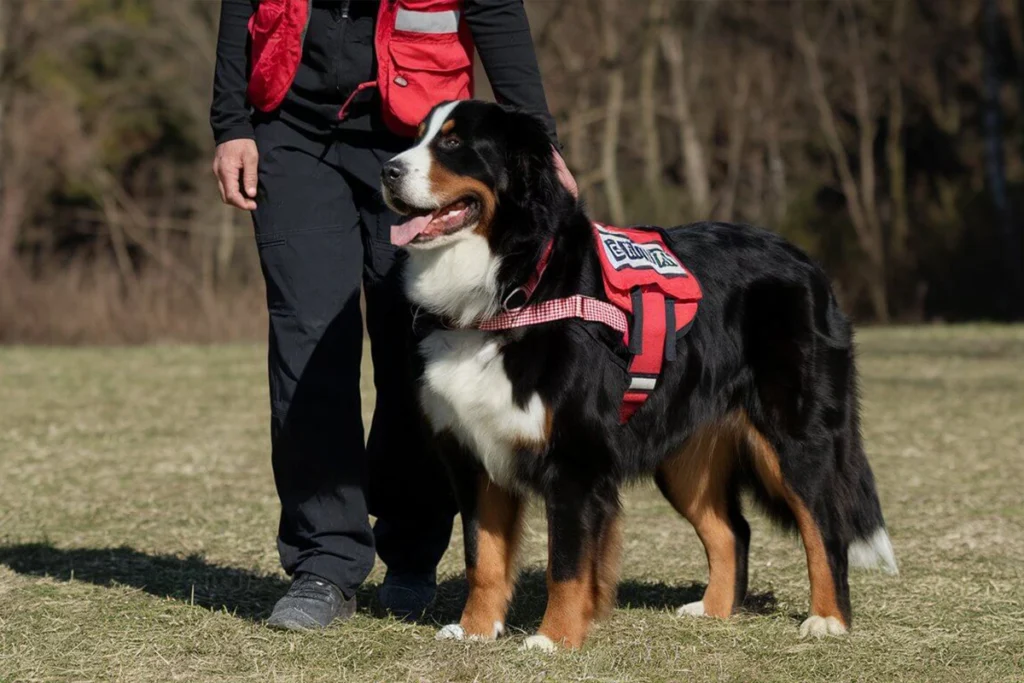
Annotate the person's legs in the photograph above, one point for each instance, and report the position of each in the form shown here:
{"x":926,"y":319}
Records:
{"x":408,"y":492}
{"x":310,"y":245}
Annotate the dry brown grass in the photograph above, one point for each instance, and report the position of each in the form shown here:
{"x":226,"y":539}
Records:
{"x":138,"y":513}
{"x":81,"y":302}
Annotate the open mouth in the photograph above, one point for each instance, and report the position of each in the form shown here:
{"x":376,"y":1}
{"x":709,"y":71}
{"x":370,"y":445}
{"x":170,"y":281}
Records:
{"x":424,"y":226}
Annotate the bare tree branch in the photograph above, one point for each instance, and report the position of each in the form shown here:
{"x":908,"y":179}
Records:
{"x":613,"y":104}
{"x":738,"y":121}
{"x":866,"y":227}
{"x":649,"y":103}
{"x":865,"y":126}
{"x":895,"y":151}
{"x":694,"y":167}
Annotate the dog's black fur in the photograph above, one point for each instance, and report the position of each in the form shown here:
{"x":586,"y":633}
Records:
{"x":767,"y":367}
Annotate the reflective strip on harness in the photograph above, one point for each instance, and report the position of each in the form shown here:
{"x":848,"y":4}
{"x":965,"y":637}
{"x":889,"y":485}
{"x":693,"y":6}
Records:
{"x":427,"y":22}
{"x":637,"y":383}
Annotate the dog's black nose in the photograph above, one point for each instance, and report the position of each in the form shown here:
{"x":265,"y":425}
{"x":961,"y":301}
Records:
{"x":392,"y":171}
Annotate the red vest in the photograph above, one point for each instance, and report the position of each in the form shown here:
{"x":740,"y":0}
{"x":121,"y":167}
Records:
{"x":424,"y":56}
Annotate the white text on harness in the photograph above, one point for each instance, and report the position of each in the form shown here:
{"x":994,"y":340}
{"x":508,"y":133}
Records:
{"x":622,"y":253}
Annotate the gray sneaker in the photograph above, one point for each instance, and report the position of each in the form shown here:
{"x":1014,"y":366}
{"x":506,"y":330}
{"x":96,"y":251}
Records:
{"x":311,"y":603}
{"x":407,"y":596}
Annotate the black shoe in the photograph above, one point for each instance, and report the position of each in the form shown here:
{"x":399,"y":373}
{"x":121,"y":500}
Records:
{"x":311,"y":603}
{"x":407,"y":596}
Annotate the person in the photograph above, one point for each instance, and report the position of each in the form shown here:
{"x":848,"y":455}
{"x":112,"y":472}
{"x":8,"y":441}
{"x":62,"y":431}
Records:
{"x":303,"y":120}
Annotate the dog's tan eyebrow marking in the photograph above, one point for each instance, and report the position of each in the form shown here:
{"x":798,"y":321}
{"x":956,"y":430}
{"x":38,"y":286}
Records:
{"x":422,"y":129}
{"x":447,"y":127}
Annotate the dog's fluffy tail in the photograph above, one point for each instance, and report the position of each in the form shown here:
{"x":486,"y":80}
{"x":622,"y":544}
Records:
{"x":857,"y":502}
{"x":870,"y":547}
{"x":874,"y":552}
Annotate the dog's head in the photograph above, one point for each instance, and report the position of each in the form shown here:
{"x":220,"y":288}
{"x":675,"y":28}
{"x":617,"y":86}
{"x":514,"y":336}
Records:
{"x":476,"y":168}
{"x":480,"y":197}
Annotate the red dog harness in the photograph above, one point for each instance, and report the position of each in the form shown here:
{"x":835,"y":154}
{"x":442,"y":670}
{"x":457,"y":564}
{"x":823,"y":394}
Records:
{"x":424,"y":55}
{"x":643,"y":280}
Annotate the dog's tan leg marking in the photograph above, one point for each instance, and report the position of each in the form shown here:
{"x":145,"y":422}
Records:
{"x":824,"y":604}
{"x":492,"y":579}
{"x":575,"y":604}
{"x":696,"y":484}
{"x":571,"y":606}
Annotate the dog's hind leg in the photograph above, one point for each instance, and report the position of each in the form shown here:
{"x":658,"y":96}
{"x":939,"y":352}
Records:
{"x":699,"y":484}
{"x":826,"y":552}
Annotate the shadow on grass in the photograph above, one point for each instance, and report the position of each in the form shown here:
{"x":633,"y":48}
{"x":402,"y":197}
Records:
{"x":248,"y":595}
{"x":191,"y":580}
{"x":531,"y":596}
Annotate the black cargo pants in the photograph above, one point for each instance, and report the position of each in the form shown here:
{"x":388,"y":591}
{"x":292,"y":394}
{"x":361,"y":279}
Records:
{"x":322,"y":230}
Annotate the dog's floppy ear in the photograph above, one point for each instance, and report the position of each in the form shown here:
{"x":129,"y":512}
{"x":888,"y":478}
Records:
{"x":531,"y":198}
{"x":532,"y":182}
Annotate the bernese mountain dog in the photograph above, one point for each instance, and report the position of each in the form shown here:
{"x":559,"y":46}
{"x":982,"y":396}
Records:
{"x":761,"y":396}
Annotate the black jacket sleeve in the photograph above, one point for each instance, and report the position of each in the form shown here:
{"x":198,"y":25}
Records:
{"x":229,"y":113}
{"x":501,"y":33}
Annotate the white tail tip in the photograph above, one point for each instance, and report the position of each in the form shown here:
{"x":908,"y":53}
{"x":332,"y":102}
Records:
{"x":874,"y":552}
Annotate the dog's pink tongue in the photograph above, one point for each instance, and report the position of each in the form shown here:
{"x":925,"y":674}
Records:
{"x":406,"y":232}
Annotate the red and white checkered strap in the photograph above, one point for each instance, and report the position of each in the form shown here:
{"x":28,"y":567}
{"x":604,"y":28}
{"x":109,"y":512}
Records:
{"x":577,"y":306}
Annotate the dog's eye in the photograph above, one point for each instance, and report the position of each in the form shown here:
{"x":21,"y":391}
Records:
{"x":449,"y":142}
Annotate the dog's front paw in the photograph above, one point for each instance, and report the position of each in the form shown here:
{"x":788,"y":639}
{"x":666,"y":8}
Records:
{"x":691,"y":609}
{"x":451,"y":632}
{"x":457,"y":632}
{"x":819,"y":627}
{"x":540,"y":642}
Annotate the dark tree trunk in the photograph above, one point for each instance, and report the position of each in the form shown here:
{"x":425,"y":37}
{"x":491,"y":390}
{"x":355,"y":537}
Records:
{"x":995,"y":162}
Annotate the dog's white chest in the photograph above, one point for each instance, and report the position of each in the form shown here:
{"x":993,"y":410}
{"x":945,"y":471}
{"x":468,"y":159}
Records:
{"x":466,"y":391}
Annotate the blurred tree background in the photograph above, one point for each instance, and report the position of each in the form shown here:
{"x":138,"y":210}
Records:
{"x":883,"y":136}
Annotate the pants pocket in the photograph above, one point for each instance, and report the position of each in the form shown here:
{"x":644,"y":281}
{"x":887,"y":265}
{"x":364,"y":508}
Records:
{"x":311,"y":273}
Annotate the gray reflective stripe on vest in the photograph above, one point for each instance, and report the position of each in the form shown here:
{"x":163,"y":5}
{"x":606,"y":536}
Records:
{"x":427,"y":22}
{"x":643,"y":384}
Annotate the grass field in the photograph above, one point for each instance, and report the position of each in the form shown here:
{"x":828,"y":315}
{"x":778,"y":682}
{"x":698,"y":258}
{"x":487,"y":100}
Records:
{"x":137,"y":518}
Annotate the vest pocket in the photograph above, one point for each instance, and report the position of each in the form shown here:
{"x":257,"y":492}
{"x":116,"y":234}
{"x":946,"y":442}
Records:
{"x":275,"y":30}
{"x":427,"y":68}
{"x":265,"y":22}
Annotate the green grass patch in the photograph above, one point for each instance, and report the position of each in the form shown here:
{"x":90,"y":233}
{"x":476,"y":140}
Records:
{"x":137,"y":521}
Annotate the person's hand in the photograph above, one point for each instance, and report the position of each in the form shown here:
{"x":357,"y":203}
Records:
{"x":565,"y":176}
{"x":234,"y":164}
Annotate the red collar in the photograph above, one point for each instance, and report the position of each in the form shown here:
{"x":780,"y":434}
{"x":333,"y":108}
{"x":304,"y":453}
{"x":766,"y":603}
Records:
{"x":517,"y":313}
